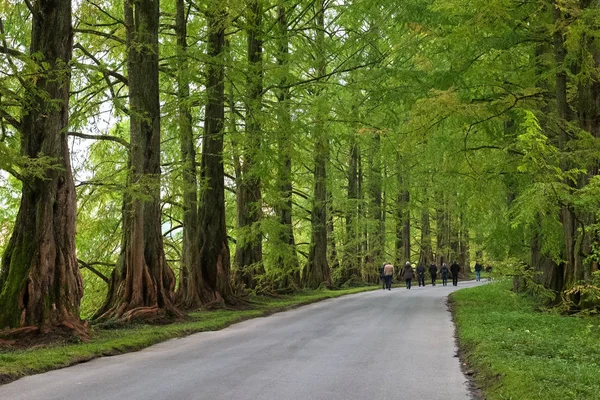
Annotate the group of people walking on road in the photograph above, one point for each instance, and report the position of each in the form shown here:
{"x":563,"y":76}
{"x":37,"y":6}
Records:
{"x":386,"y":273}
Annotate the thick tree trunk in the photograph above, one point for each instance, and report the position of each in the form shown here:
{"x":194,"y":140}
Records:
{"x":318,"y":267}
{"x":248,"y":252}
{"x":142,"y":284}
{"x":187,"y":292}
{"x":40,"y":283}
{"x":215,"y":284}
{"x":288,"y":260}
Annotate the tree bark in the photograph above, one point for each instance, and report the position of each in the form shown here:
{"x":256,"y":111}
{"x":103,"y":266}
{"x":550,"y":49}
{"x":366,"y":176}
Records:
{"x":214,"y":283}
{"x":40,"y":282}
{"x":375,"y":250}
{"x":426,"y":253}
{"x":288,"y":260}
{"x":351,"y":258}
{"x":142,"y":284}
{"x":318,"y":267}
{"x":187,"y":292}
{"x":248,"y":252}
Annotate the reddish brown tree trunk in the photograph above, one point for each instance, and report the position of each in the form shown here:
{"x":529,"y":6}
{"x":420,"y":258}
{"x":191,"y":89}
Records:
{"x":212,"y":282}
{"x":142,"y":284}
{"x":40,"y":283}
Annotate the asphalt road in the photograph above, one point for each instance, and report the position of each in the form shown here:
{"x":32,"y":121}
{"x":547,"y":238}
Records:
{"x":396,"y":344}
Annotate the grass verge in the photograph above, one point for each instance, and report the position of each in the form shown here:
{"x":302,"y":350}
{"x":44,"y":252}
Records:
{"x":517,"y":352}
{"x":15,"y":364}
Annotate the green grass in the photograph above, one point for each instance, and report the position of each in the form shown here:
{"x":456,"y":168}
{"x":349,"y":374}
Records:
{"x":519,"y":353}
{"x":18,"y":363}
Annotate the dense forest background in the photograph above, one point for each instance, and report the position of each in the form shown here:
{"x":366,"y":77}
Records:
{"x":160,"y":157}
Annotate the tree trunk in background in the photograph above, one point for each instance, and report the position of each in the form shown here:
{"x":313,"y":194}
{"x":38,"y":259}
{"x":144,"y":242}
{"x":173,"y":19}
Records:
{"x":318,"y":267}
{"x":589,"y":119}
{"x":351,"y":258}
{"x":551,"y":273}
{"x":142,"y":283}
{"x":332,"y":257}
{"x":40,"y":282}
{"x":248,"y":251}
{"x":402,"y":217}
{"x":361,"y":223}
{"x":187,"y":293}
{"x":464,"y":256}
{"x":375,"y":243}
{"x":214,"y":257}
{"x":443,"y":231}
{"x":426,"y":253}
{"x":288,"y":260}
{"x":567,"y":214}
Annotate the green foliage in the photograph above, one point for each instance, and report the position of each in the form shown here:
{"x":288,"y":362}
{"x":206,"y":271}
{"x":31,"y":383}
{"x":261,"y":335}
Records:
{"x":516,"y":352}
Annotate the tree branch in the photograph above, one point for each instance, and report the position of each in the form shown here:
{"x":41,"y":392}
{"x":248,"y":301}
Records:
{"x":94,"y":270}
{"x":11,"y":120}
{"x":101,"y":137}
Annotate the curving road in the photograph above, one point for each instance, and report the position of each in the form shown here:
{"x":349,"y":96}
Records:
{"x":396,"y":344}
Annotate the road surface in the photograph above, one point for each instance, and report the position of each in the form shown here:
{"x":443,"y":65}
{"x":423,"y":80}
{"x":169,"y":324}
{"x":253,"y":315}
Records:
{"x":396,"y":344}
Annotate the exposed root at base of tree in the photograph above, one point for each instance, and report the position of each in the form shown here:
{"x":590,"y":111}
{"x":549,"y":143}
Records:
{"x":148,"y":314}
{"x":35,"y":336}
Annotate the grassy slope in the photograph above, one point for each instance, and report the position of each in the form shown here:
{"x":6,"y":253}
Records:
{"x":15,"y":364}
{"x":518,"y":353}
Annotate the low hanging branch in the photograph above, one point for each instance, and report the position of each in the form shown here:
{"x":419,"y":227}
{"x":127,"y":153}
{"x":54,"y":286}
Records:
{"x":101,"y":137}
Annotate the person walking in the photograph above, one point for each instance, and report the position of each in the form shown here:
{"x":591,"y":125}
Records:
{"x":444,"y":271}
{"x":388,"y":273}
{"x":433,"y":272}
{"x":478,"y":269}
{"x":382,"y":275}
{"x":408,"y":274}
{"x":421,"y":275}
{"x":454,"y":270}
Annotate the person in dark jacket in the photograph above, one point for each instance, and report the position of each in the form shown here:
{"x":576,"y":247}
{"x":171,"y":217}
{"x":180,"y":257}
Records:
{"x":454,"y":270}
{"x":382,"y":276}
{"x":478,"y":269}
{"x":408,"y":274}
{"x":444,"y":271}
{"x":421,"y":275}
{"x":433,"y":272}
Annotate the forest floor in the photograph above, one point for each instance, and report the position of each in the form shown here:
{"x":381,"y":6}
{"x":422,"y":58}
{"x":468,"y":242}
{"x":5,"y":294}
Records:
{"x":16,"y":361}
{"x":514,"y":350}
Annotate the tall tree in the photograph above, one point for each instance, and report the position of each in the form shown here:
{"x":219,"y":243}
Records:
{"x":317,"y":271}
{"x":213,"y":280}
{"x":142,"y":284}
{"x":248,"y":252}
{"x":288,"y":259}
{"x":40,"y":282}
{"x":187,"y":291}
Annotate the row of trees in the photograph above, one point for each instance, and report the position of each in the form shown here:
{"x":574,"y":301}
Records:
{"x":204,"y":148}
